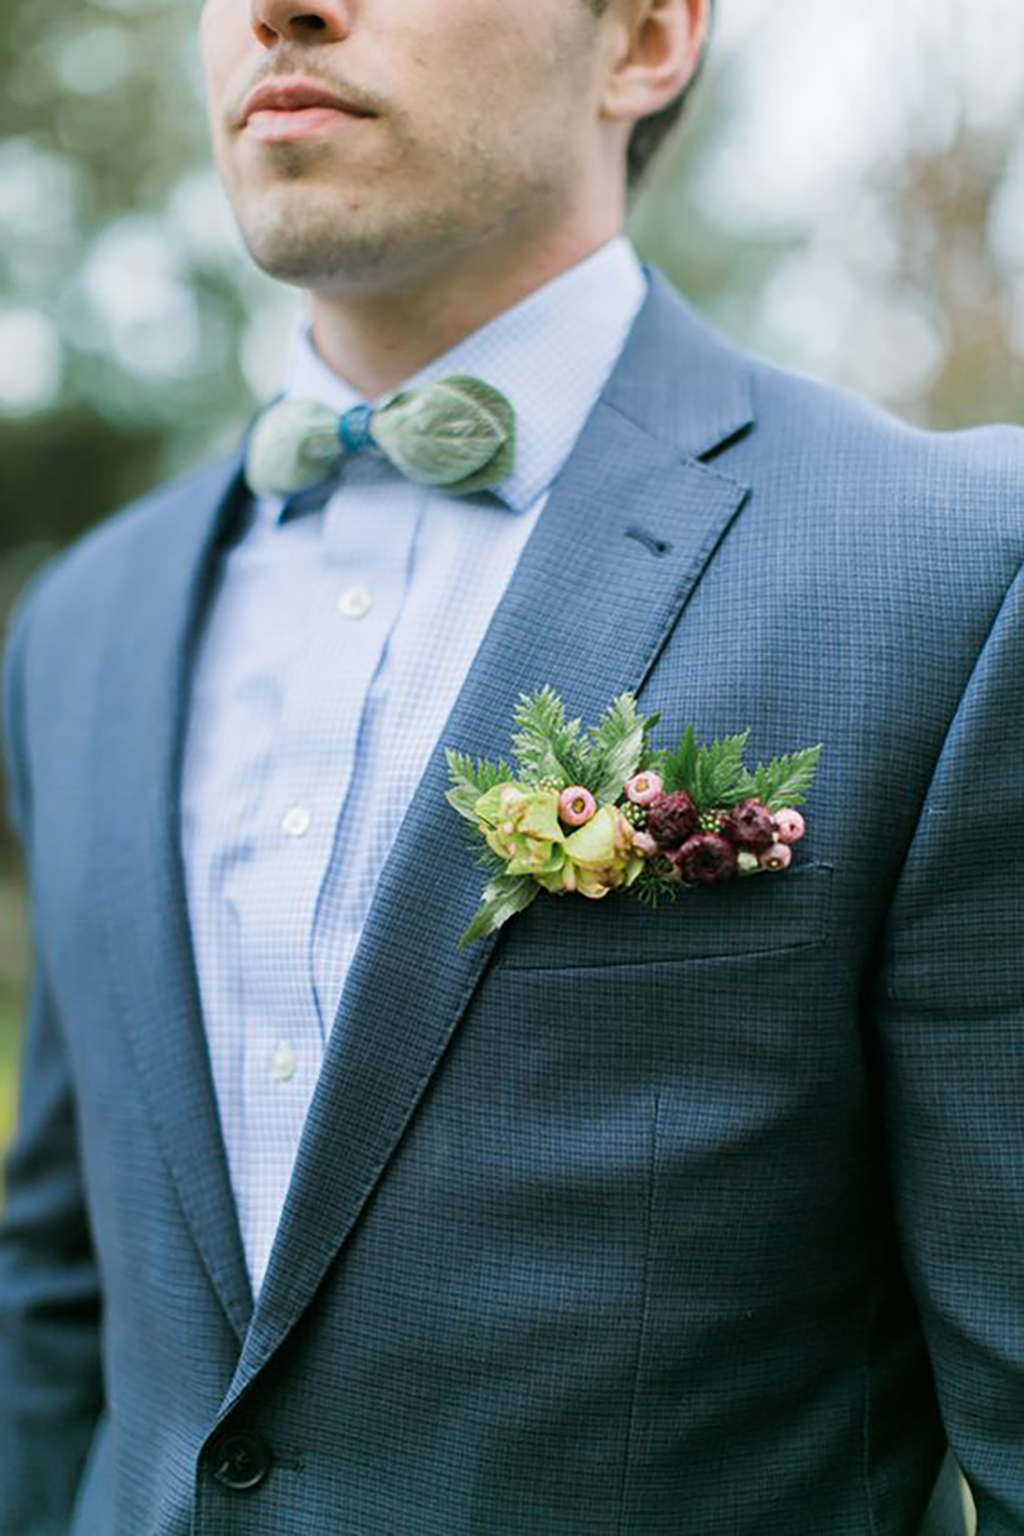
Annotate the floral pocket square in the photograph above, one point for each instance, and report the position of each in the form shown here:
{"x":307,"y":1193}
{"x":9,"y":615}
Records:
{"x":588,"y":813}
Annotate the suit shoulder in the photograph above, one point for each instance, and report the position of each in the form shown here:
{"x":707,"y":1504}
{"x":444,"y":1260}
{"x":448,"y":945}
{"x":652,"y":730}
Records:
{"x":826,"y":416}
{"x":800,"y":444}
{"x":864,"y":463}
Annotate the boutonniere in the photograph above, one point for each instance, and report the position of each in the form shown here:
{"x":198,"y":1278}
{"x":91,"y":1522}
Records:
{"x":588,"y":813}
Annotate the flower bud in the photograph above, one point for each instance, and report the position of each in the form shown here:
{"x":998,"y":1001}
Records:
{"x":643,"y":788}
{"x":576,"y":805}
{"x":789,"y":826}
{"x":777,"y":857}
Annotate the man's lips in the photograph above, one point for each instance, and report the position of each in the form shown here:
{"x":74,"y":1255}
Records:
{"x":294,"y":109}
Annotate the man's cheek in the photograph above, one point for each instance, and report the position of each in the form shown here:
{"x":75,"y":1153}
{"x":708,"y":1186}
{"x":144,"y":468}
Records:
{"x":222,"y":36}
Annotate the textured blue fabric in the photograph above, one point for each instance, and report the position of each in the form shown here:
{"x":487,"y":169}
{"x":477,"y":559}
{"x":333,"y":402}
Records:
{"x":707,"y":1221}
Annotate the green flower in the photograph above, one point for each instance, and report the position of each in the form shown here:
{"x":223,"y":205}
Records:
{"x":597,"y":858}
{"x":521,"y":826}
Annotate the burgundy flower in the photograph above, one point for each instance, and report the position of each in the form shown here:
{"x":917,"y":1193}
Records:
{"x":704,"y":860}
{"x":671,"y":819}
{"x":750,"y":825}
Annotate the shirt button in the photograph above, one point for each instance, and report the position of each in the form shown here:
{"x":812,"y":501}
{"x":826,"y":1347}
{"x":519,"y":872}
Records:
{"x":282,"y":1062}
{"x":296,"y":821}
{"x":355,"y":603}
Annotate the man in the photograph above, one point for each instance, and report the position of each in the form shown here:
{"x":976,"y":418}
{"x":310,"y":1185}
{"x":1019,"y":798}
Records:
{"x":703,"y":1220}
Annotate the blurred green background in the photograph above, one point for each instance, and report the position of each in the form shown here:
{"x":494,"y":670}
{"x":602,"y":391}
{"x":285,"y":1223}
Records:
{"x":847,"y":197}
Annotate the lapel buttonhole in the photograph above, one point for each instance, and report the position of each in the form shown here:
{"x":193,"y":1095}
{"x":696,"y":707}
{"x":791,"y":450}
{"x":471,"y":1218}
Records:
{"x":650,"y":542}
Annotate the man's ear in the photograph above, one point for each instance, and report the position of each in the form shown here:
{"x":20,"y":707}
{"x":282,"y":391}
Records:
{"x":657,"y":45}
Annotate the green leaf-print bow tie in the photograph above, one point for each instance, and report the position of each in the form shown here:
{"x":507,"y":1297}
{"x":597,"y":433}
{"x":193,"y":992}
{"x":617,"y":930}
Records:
{"x":457,"y":433}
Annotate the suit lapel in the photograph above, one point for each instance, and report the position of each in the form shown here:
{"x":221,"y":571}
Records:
{"x":628,"y":529}
{"x":150,"y":949}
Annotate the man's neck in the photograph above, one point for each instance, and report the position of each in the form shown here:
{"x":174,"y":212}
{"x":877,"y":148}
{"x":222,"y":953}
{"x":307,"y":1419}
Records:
{"x":375,"y":340}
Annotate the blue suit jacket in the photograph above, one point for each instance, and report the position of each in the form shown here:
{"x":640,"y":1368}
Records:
{"x":707,"y":1221}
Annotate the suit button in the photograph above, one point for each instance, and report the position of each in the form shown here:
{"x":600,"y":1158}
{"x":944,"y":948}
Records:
{"x":240,"y":1461}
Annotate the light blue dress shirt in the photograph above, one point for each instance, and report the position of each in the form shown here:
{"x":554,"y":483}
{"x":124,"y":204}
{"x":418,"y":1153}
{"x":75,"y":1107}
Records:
{"x":333,"y":652}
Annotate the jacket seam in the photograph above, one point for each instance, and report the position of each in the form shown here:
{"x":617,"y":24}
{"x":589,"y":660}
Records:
{"x":644,"y":1311}
{"x":872,"y":1234}
{"x":866,"y":1449}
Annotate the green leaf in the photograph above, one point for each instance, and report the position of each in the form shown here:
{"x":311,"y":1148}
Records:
{"x":617,"y":746}
{"x":656,"y":883}
{"x":547,"y":746}
{"x":460,"y":434}
{"x":472,"y":779}
{"x":503,"y":898}
{"x":714,"y":775}
{"x":658,"y":762}
{"x":484,"y":855}
{"x":677,"y":768}
{"x":785,"y":780}
{"x":720,"y":777}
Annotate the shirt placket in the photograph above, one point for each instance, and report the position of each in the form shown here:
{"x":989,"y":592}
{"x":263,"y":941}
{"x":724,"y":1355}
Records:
{"x":359,"y":591}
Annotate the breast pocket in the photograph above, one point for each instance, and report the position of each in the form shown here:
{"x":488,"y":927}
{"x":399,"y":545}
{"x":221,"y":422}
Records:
{"x":760,"y":915}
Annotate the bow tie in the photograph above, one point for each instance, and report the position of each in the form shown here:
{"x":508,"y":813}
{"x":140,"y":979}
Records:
{"x":457,"y":433}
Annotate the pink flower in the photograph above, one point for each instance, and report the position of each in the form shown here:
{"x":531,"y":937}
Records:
{"x":643,"y":788}
{"x":777,"y":857}
{"x":789,"y":826}
{"x":576,"y":805}
{"x":644,"y":844}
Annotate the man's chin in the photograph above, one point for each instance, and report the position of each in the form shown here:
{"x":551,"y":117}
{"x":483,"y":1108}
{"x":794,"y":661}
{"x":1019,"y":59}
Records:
{"x":317,"y":259}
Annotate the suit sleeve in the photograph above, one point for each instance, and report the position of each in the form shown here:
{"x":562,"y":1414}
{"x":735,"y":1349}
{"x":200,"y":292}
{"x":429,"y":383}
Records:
{"x":950,"y":1013}
{"x":50,"y":1374}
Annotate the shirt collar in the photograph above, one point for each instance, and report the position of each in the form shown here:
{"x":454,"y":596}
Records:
{"x":551,"y":354}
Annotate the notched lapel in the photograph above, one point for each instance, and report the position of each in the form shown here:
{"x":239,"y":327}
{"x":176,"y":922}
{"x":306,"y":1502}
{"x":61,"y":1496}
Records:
{"x":138,"y":753}
{"x":628,"y":529}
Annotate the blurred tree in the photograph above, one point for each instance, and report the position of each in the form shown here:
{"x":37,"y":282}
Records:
{"x":903,"y":272}
{"x":721,"y":270}
{"x":123,"y":304}
{"x":945,"y":207}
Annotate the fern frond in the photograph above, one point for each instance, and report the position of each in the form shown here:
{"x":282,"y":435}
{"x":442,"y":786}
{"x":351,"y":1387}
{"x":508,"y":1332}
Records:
{"x":546,"y":745}
{"x":472,"y":778}
{"x":785,"y":780}
{"x":617,"y":745}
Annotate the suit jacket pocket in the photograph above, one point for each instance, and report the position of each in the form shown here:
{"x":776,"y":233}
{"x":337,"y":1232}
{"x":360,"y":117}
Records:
{"x":758,"y":915}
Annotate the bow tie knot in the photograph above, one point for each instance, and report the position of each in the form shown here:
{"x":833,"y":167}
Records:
{"x":456,"y":433}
